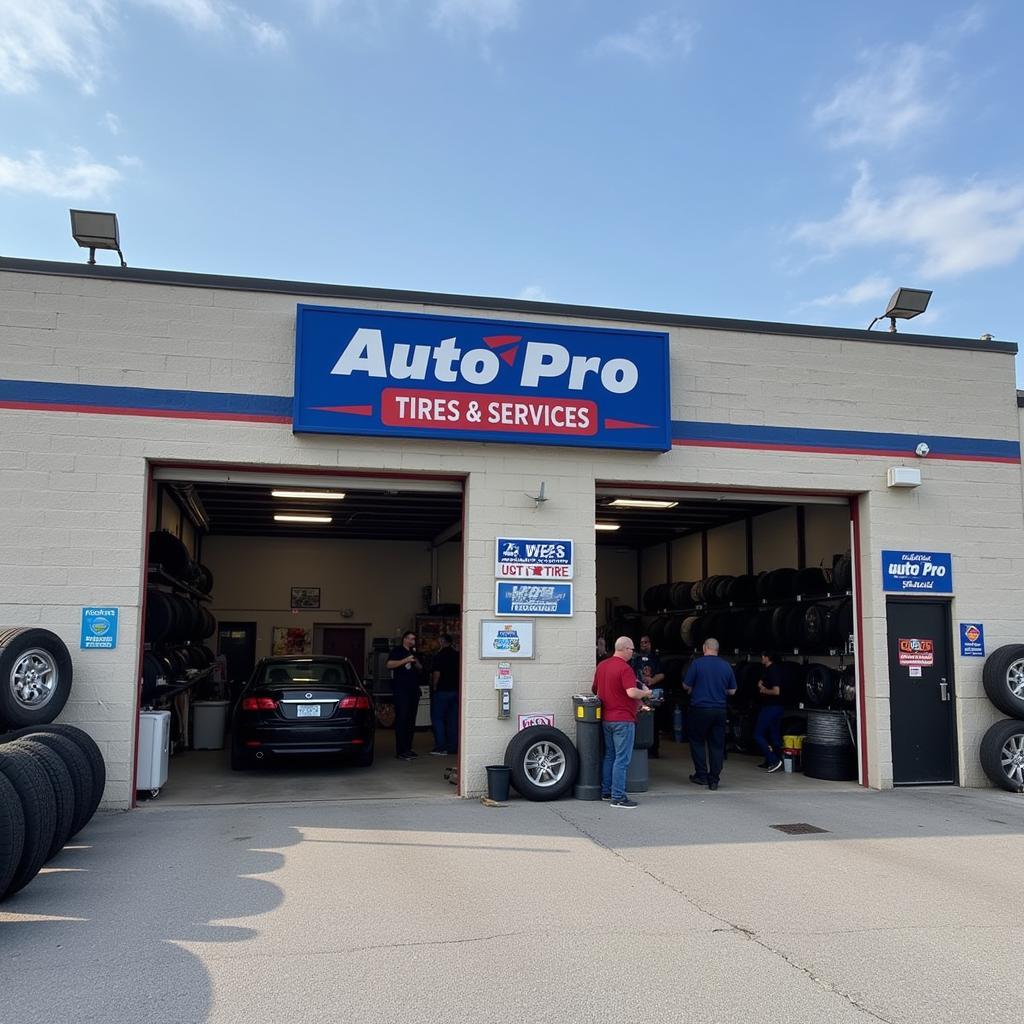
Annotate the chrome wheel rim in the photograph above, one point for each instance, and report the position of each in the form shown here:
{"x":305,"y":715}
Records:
{"x":34,"y":678}
{"x":1012,"y":759}
{"x":1015,"y":679}
{"x":544,"y":764}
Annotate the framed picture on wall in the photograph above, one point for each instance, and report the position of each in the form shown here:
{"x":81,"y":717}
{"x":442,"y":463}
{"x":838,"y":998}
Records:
{"x":291,"y":640}
{"x":305,"y":597}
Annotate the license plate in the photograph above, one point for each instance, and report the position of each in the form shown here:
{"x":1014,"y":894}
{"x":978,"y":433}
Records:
{"x":307,"y":710}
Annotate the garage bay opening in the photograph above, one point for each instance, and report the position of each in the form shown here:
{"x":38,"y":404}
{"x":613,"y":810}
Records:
{"x":275,"y":604}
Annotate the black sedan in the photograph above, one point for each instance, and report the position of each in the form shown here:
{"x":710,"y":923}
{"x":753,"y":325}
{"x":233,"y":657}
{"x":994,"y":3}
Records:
{"x":297,"y":705}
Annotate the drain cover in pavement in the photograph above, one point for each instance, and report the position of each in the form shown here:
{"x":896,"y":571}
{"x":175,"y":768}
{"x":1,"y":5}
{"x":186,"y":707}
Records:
{"x":799,"y":828}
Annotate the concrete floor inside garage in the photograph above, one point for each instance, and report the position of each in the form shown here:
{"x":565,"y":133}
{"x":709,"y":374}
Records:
{"x":204,"y":777}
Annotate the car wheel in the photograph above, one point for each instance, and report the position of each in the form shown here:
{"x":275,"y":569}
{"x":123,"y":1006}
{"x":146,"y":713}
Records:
{"x":1002,"y":755}
{"x":1003,"y":676}
{"x":365,"y":756}
{"x":543,"y":763}
{"x":35,"y":676}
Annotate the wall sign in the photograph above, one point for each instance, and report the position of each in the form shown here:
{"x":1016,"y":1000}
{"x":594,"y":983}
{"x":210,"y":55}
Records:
{"x":525,"y":721}
{"x":550,"y":599}
{"x":99,"y":629}
{"x":390,"y":374}
{"x":503,"y":677}
{"x":500,"y":638}
{"x":524,"y":558}
{"x":972,"y":640}
{"x":913,"y":651}
{"x":917,"y":572}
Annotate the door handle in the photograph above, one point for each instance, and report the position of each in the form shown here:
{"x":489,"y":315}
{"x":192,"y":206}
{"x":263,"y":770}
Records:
{"x":943,"y":689}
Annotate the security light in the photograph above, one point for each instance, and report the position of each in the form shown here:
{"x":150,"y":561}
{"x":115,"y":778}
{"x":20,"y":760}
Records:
{"x":905,"y":304}
{"x":93,"y":230}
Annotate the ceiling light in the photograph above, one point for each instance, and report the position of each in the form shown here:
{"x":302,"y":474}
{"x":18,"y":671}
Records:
{"x":302,"y":519}
{"x":606,"y":526}
{"x":642,"y":503}
{"x":92,"y":231}
{"x":326,"y":495}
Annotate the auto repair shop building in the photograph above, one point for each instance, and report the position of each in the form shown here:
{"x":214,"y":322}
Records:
{"x":115,"y":382}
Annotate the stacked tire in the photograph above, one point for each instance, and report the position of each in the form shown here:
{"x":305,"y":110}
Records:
{"x":51,"y":782}
{"x":1002,"y":746}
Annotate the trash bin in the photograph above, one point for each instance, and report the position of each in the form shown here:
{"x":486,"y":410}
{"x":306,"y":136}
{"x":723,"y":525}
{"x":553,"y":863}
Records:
{"x":209,"y":721}
{"x":637,"y":778}
{"x":587,"y":710}
{"x":498,"y":777}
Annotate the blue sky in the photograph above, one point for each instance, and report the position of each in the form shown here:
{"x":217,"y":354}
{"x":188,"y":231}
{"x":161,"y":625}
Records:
{"x":765,"y":159}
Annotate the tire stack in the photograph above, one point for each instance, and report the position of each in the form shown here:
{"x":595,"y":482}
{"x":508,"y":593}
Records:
{"x":828,"y":751}
{"x":51,"y":782}
{"x":1002,"y":746}
{"x":176,"y":623}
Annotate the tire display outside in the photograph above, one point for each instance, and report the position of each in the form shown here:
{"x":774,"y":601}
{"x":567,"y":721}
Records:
{"x":35,"y":676}
{"x":543,"y":763}
{"x":1002,"y":754}
{"x":1003,"y":676}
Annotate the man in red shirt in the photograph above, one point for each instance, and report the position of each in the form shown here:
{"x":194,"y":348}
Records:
{"x":615,"y":683}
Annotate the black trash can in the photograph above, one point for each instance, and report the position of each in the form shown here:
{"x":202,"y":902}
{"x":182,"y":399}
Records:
{"x":637,"y":778}
{"x":587,"y":710}
{"x":498,"y":779}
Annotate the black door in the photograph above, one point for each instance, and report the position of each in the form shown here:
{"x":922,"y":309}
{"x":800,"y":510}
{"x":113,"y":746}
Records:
{"x":921,"y":692}
{"x":237,"y":642}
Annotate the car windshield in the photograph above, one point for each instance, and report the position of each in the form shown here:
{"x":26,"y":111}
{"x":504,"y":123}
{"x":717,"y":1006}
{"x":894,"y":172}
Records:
{"x":306,"y":673}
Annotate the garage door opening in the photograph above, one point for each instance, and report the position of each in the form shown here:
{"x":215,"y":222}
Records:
{"x":762,"y":574}
{"x":274,"y":602}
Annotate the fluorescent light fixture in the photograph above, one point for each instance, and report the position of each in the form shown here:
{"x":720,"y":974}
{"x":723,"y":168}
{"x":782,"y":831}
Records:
{"x":326,"y":495}
{"x":642,"y":503}
{"x":606,"y":526}
{"x":284,"y":518}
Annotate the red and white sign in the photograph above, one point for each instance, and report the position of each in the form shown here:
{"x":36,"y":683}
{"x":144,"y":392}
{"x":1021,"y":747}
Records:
{"x":525,"y":721}
{"x":916,"y":652}
{"x":534,"y":572}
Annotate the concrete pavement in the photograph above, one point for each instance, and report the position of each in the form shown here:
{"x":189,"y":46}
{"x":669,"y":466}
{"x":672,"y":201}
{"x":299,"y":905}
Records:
{"x":690,"y":907}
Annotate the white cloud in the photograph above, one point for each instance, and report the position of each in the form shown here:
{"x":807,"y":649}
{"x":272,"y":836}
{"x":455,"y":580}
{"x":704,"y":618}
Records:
{"x":950,"y":231}
{"x":42,"y":36}
{"x":899,"y":90}
{"x":112,"y":123}
{"x":533,"y":293}
{"x":654,"y":39}
{"x":129,"y":161}
{"x":483,"y":17}
{"x":870,"y":289}
{"x":70,"y":38}
{"x":82,"y":179}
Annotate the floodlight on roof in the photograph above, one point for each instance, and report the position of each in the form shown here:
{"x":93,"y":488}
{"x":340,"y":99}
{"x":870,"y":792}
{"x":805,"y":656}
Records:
{"x":905,"y":304}
{"x":93,"y":230}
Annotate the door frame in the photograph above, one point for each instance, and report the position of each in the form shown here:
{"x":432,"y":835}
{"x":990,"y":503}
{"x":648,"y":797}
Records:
{"x":946,"y":604}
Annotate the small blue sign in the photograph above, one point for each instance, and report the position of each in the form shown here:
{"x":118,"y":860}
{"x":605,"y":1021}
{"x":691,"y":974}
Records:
{"x":397,"y":374}
{"x":99,"y":629}
{"x":550,"y":599}
{"x":972,"y":640}
{"x":917,"y":572}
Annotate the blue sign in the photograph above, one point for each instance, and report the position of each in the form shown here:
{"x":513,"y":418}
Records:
{"x":532,"y":558}
{"x":533,"y":598}
{"x":917,"y":572}
{"x":972,"y":640}
{"x":99,"y":629}
{"x":391,"y":374}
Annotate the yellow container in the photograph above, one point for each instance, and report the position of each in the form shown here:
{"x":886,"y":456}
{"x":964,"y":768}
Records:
{"x":793,"y":742}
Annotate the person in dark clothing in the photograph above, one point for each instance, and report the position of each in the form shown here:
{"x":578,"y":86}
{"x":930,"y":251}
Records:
{"x":768,"y":731}
{"x":647,"y":665}
{"x":444,"y":704}
{"x":709,"y":680}
{"x":406,"y":675}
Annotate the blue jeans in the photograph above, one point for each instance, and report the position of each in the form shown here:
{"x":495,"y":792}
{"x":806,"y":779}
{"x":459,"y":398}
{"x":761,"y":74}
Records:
{"x":618,"y":752}
{"x":444,"y":720}
{"x":768,"y":732}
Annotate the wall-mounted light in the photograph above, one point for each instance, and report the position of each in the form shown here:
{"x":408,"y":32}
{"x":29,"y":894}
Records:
{"x":641,"y":503}
{"x":325,"y":495}
{"x":903,"y":476}
{"x":93,"y":230}
{"x":283,"y":518}
{"x":606,"y":526}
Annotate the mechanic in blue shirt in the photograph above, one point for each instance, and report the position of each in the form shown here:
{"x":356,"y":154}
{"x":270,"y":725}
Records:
{"x":709,"y":680}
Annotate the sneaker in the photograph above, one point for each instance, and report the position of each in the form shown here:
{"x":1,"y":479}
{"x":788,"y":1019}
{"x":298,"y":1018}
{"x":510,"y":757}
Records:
{"x":698,"y":781}
{"x":625,"y":802}
{"x":405,"y":757}
{"x":439,"y":753}
{"x":606,"y":796}
{"x":764,"y":766}
{"x":712,"y":785}
{"x":411,"y":754}
{"x":775,"y":767}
